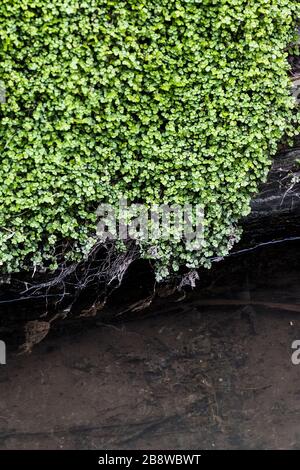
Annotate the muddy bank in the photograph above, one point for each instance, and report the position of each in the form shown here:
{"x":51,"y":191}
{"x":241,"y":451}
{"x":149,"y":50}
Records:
{"x":181,"y":375}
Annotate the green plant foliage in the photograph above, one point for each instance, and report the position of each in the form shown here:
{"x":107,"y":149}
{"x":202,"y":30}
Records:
{"x":161,"y":101}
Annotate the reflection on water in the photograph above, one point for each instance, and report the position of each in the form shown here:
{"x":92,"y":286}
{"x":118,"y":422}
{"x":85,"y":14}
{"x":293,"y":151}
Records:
{"x":213,"y":370}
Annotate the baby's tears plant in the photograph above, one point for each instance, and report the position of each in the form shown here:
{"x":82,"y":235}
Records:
{"x":175,"y":101}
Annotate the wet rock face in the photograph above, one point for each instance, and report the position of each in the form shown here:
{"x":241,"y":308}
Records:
{"x":281,"y":192}
{"x":276,"y":209}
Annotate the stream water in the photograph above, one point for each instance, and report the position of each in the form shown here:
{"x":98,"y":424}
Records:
{"x":212,"y":370}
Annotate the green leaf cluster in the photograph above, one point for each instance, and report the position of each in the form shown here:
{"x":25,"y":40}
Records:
{"x":176,"y":101}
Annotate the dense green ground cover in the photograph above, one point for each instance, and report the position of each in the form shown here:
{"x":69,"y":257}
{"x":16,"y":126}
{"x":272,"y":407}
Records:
{"x":181,"y":101}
